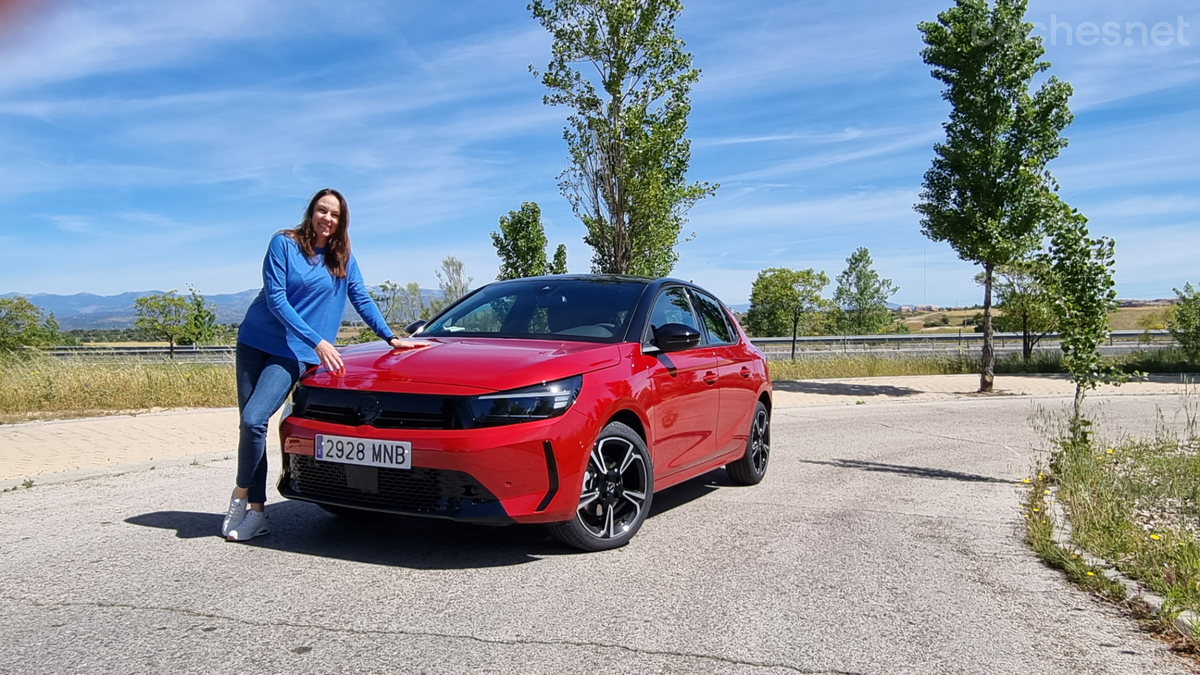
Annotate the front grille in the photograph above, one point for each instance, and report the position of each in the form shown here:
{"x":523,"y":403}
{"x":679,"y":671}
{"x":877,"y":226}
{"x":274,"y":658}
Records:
{"x":419,"y":490}
{"x":330,"y":413}
{"x":383,"y":410}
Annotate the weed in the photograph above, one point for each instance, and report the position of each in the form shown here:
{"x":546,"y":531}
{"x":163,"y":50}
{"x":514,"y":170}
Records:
{"x":28,"y":483}
{"x":1133,"y":502}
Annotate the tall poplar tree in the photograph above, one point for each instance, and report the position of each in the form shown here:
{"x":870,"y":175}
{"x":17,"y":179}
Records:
{"x":619,"y":66}
{"x":988,"y":192}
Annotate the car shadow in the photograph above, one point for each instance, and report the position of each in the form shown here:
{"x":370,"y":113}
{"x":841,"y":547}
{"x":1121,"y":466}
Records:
{"x":689,"y":491}
{"x":915,"y":471}
{"x":375,"y":538}
{"x":403,"y":541}
{"x":842,"y":388}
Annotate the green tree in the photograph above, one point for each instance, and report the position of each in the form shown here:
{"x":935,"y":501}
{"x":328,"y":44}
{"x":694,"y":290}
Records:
{"x":23,"y":324}
{"x":559,"y":266}
{"x":988,"y":192}
{"x":521,"y":245}
{"x":163,"y":315}
{"x":619,"y":66}
{"x":1083,"y":293}
{"x":862,"y":295}
{"x":1184,"y":322}
{"x":785,"y":301}
{"x":1022,"y":294}
{"x":200,"y":320}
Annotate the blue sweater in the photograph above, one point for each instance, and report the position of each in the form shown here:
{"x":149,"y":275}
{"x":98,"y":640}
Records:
{"x":301,"y":303}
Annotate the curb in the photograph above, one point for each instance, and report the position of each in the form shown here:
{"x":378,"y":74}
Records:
{"x":1186,"y":622}
{"x":76,"y":475}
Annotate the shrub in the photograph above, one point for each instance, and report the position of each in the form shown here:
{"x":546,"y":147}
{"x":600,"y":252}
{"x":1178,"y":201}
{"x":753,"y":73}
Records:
{"x":1184,"y":322}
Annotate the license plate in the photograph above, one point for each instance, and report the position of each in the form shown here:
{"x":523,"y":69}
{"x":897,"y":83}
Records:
{"x":364,"y":451}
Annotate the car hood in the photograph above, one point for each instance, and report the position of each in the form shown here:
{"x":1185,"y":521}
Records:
{"x":465,"y":366}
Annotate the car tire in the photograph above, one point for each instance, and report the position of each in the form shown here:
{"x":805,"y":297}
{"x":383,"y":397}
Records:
{"x":615,"y":496}
{"x":750,"y":468}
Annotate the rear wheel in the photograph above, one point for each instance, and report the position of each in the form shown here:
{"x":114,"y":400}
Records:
{"x":752,"y":466}
{"x":618,"y":486}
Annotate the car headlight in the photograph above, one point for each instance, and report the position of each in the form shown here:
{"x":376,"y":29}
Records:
{"x":539,"y":402}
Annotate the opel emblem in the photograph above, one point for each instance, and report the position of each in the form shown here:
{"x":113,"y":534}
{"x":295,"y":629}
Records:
{"x":367,"y":410}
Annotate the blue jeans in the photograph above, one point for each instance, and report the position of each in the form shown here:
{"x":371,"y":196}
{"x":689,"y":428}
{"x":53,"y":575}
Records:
{"x":263,"y":383}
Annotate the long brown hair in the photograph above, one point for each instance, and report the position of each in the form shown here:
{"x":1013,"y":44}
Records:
{"x":337,"y":247}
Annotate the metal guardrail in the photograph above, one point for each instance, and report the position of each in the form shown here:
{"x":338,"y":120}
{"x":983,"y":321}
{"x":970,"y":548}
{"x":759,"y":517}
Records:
{"x":108,"y":353}
{"x":930,"y":344}
{"x":940,"y":337}
{"x":900,"y":344}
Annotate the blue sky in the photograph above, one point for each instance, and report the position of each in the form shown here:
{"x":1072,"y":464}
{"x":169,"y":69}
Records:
{"x":152,"y":145}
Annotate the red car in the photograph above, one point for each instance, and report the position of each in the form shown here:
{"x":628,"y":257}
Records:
{"x":566,"y":400}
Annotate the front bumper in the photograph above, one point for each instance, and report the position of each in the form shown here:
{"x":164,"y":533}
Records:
{"x":524,"y":473}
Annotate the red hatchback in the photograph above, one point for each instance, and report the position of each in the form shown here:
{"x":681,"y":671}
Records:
{"x":566,"y":400}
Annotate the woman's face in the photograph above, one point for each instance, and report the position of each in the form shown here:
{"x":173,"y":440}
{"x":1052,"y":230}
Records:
{"x":325,"y":218}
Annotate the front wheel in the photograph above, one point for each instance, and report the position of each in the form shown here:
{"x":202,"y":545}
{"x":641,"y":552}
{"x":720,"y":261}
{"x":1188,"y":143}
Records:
{"x":618,"y":486}
{"x":750,"y":468}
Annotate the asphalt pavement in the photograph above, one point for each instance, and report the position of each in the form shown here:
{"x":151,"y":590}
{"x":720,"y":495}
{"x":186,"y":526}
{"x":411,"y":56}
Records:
{"x":885,"y":539}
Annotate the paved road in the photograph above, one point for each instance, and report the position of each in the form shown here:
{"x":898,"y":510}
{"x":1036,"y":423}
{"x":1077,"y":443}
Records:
{"x":886,"y":539}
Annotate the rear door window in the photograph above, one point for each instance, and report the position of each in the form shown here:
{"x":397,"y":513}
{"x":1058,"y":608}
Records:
{"x":715,"y":321}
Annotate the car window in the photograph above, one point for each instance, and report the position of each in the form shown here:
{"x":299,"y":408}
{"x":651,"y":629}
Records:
{"x":573,"y":309}
{"x":487,"y":317}
{"x":672,"y":306}
{"x":715,"y":321}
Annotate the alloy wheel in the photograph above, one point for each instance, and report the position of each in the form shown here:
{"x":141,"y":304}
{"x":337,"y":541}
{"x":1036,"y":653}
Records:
{"x":760,"y":441}
{"x":614,"y":488}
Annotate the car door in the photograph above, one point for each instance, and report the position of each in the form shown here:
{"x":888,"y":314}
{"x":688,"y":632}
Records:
{"x":737,"y":378}
{"x":685,"y":413}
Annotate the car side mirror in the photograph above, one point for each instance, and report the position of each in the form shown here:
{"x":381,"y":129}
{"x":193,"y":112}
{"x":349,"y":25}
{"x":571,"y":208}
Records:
{"x":414,"y":327}
{"x":676,"y":337}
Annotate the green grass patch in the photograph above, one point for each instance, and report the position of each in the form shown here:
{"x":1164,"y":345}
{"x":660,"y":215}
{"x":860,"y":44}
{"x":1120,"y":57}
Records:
{"x":46,"y":388}
{"x":1042,"y":536}
{"x":1133,"y":502}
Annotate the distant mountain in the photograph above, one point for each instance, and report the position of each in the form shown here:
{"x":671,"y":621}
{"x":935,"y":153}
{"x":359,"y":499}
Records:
{"x":87,"y":310}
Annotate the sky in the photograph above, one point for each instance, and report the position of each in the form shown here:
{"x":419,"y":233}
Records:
{"x":151,"y":145}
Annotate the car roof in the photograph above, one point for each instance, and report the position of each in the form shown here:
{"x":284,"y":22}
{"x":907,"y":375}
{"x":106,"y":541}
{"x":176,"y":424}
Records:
{"x":612,"y":278}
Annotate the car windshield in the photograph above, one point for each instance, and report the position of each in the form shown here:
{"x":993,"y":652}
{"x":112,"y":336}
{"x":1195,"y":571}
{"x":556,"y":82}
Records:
{"x":589,"y":310}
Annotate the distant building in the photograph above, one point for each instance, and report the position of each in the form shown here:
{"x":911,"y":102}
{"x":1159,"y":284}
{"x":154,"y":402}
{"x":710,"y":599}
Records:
{"x":1161,"y":302}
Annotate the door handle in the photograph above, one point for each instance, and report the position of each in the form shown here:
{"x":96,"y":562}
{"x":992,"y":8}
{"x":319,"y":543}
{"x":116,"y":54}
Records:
{"x":745,"y":372}
{"x":710,"y":377}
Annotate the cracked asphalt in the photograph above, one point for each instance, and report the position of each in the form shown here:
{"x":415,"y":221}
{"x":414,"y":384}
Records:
{"x":886,"y":539}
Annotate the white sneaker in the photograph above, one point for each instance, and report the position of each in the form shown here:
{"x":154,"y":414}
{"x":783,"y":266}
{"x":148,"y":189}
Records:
{"x":235,"y":514}
{"x":252,"y":525}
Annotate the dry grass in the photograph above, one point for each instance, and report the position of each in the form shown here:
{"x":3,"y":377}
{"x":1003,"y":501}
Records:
{"x":43,"y":388}
{"x":871,"y":365}
{"x":876,"y":365}
{"x":1130,"y":318}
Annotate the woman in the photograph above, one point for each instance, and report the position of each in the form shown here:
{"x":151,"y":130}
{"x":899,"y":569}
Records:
{"x":308,"y":274}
